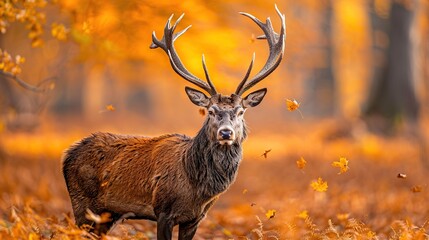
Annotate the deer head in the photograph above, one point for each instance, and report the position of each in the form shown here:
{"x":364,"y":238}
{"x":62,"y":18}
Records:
{"x":225,"y":112}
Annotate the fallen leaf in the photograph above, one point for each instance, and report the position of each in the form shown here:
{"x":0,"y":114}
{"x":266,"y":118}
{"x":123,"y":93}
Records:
{"x":370,"y":234}
{"x":99,"y":219}
{"x":343,"y":216}
{"x":303,"y":214}
{"x":202,"y":111}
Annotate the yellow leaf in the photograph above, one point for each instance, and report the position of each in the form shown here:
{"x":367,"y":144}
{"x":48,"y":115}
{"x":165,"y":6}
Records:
{"x":244,"y":191}
{"x":292,"y":105}
{"x":110,"y":108}
{"x":19,"y":59}
{"x":59,"y":31}
{"x":343,"y":164}
{"x":370,"y":234}
{"x":343,"y":216}
{"x":301,"y":163}
{"x":33,"y":236}
{"x":15,"y":70}
{"x":270,"y":214}
{"x":226,"y":232}
{"x":319,"y":185}
{"x":303,"y":214}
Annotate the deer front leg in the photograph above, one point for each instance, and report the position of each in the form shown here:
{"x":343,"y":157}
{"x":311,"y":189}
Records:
{"x":187,"y":230}
{"x":164,"y":228}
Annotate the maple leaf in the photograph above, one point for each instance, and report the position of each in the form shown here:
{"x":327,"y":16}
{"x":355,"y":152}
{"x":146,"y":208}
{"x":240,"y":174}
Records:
{"x":293,"y":105}
{"x":301,"y":163}
{"x":270,"y":213}
{"x":343,"y":164}
{"x":319,"y":185}
{"x":265,"y":154}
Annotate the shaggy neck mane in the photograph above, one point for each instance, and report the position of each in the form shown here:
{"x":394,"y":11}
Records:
{"x":210,"y":166}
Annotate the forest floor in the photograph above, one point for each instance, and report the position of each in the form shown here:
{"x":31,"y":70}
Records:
{"x":383,"y":195}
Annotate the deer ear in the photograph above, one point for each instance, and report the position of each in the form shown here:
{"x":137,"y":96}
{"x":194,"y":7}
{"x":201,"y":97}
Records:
{"x":197,"y":97}
{"x":254,"y":98}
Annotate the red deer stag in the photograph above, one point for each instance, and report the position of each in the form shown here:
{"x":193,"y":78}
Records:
{"x":172,"y":179}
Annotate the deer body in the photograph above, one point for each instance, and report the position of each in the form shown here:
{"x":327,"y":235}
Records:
{"x":171,"y":174}
{"x":172,"y":179}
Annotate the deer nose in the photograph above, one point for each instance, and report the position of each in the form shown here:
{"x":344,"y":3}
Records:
{"x":225,"y":134}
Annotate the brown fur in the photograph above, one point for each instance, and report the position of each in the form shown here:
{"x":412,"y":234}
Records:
{"x":172,"y":179}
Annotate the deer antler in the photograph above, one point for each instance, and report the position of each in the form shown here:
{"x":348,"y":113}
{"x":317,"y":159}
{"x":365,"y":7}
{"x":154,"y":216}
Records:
{"x":276,"y":45}
{"x":166,"y":44}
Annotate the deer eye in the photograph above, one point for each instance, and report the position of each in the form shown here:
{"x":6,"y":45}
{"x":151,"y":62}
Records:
{"x":211,"y":112}
{"x":240,"y":113}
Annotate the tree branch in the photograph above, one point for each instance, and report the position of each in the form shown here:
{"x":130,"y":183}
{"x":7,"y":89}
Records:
{"x":43,"y":86}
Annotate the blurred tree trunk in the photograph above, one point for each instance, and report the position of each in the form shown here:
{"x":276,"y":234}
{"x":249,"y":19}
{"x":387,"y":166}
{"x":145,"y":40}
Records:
{"x":320,"y":95}
{"x":392,"y":99}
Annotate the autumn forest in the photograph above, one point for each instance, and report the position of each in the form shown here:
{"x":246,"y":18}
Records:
{"x":337,"y":149}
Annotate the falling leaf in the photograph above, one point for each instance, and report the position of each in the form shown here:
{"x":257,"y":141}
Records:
{"x":343,"y":164}
{"x":401,"y":175}
{"x":202,"y":111}
{"x":319,"y":185}
{"x":303,"y":214}
{"x":270,"y":214}
{"x":292,"y":105}
{"x":301,"y":163}
{"x":266,"y":153}
{"x":252,"y":204}
{"x":417,"y":189}
{"x":110,"y":108}
{"x":244,"y":191}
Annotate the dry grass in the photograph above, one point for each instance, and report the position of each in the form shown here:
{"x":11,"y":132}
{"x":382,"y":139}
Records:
{"x":368,"y":201}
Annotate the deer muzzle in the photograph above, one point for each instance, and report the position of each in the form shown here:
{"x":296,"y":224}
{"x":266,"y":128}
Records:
{"x":226,"y":135}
